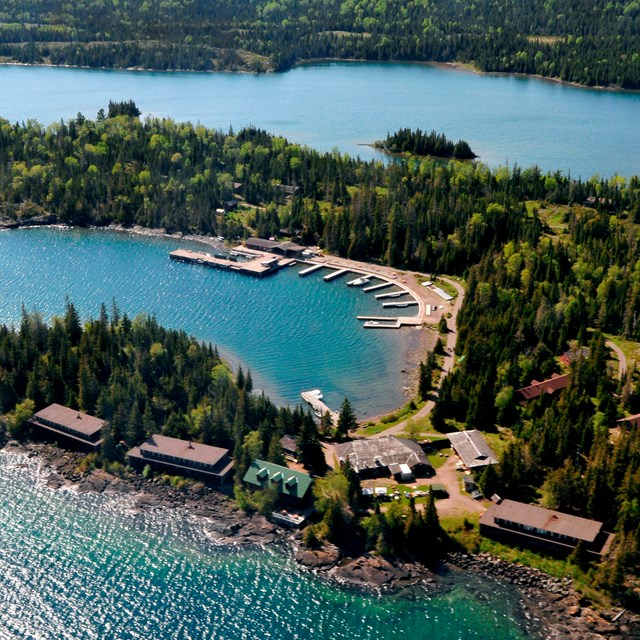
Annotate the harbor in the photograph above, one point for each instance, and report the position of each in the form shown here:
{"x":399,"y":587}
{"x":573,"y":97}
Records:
{"x":257,"y":264}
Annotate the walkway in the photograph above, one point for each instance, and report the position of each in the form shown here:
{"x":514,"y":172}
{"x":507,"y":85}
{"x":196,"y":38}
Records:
{"x":622,"y":359}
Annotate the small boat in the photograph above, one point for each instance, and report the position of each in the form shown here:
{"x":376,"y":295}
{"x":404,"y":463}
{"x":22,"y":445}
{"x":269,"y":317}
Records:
{"x":358,"y":282}
{"x":316,"y":393}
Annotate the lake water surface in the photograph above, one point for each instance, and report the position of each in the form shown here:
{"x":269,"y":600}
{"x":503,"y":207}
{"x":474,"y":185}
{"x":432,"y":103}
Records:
{"x":505,"y":119}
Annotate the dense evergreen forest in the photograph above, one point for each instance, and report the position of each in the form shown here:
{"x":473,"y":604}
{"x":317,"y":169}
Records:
{"x":549,"y":262}
{"x":588,"y":42}
{"x":143,"y":379}
{"x":420,"y":143}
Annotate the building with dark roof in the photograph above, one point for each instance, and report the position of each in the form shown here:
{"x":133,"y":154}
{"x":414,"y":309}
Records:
{"x":285,"y":249}
{"x":290,"y":447}
{"x":472,"y":449}
{"x":69,"y":426}
{"x":385,"y":456}
{"x":260,"y":244}
{"x":291,"y":484}
{"x":536,"y":389}
{"x":183,"y":457}
{"x":554,"y":531}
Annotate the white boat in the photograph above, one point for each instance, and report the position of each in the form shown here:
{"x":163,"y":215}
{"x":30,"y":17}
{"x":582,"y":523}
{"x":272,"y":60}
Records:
{"x":316,"y":393}
{"x":358,"y":282}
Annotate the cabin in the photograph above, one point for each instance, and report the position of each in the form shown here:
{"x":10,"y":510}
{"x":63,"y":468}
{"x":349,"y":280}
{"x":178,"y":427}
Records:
{"x":578,"y":353}
{"x":553,"y":531}
{"x":230,"y":205}
{"x":183,"y":457}
{"x":294,"y":487}
{"x":472,"y":449}
{"x":547,"y":387}
{"x":290,"y":448}
{"x":385,"y":456}
{"x":69,"y":427}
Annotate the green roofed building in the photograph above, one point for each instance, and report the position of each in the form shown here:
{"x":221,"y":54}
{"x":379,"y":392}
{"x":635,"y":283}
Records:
{"x":290,"y":484}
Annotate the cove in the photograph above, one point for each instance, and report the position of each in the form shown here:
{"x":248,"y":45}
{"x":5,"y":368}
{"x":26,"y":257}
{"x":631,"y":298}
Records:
{"x":90,"y":566}
{"x":293,"y":333}
{"x":505,"y":119}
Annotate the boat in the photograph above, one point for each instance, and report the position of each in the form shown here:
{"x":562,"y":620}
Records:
{"x":316,"y":393}
{"x":358,"y":282}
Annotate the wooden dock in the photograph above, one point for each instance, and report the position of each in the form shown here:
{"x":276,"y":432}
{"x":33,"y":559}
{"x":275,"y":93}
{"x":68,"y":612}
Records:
{"x":403,"y":321}
{"x":393,"y":294}
{"x":377,"y":324}
{"x":260,"y":265}
{"x":376,"y":287}
{"x":336,"y":274}
{"x":318,"y":406}
{"x":312,"y":269}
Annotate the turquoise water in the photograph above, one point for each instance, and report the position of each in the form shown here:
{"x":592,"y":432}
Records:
{"x":89,"y":567}
{"x":294,"y":333}
{"x":505,"y":119}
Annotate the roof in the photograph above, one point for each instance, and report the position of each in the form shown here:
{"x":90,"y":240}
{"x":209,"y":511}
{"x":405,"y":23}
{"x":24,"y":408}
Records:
{"x":291,"y":246}
{"x":71,"y":419}
{"x":632,"y":421}
{"x":288,"y":443}
{"x":544,"y":519}
{"x":288,"y":481}
{"x":472,"y":448}
{"x":536,"y":389}
{"x":183,"y":449}
{"x":372,"y":453}
{"x":263,"y":244}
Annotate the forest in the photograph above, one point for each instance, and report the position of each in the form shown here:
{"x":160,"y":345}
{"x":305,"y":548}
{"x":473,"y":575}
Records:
{"x":586,"y":42}
{"x":420,"y":143}
{"x":550,"y":262}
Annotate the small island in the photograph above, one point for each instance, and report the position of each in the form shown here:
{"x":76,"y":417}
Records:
{"x":420,"y":143}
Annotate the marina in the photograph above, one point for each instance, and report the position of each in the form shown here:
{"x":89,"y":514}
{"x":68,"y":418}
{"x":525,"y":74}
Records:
{"x":258,"y":265}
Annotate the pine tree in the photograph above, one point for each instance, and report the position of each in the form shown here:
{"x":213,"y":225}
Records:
{"x":346,"y":420}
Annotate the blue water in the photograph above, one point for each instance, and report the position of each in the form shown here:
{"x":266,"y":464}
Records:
{"x":85,"y":567}
{"x":293,"y":333}
{"x":505,"y":119}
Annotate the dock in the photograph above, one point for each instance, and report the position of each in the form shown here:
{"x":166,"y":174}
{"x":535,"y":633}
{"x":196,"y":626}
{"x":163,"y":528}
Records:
{"x":407,"y":303}
{"x":402,"y":321}
{"x":393,"y":294}
{"x":376,"y":287}
{"x":260,"y":265}
{"x":336,"y":274}
{"x":376,"y":324}
{"x":318,"y":406}
{"x":312,"y":269}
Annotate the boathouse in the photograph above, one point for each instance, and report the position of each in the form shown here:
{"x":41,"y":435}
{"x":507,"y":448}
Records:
{"x":472,"y":449}
{"x":292,"y":486}
{"x":385,"y":456}
{"x":559,"y":533}
{"x":183,"y":457}
{"x":69,"y":426}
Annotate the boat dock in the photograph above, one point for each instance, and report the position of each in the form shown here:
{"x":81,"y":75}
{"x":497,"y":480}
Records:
{"x":260,"y":265}
{"x":408,"y":303}
{"x":376,"y":287}
{"x":401,"y":321}
{"x":376,"y":324}
{"x":311,"y":269}
{"x":336,"y":274}
{"x":318,"y":406}
{"x":393,"y":294}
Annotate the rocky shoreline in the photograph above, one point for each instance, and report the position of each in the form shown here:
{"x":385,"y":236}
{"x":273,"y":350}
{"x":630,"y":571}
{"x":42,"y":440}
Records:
{"x":551,"y":607}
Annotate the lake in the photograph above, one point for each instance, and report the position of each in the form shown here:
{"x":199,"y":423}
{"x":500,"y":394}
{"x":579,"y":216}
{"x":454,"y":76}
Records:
{"x":293,"y":333}
{"x":505,"y":119}
{"x":91,"y":567}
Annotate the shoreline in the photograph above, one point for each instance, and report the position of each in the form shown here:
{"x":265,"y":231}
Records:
{"x":309,"y":62}
{"x":548,"y":607}
{"x":414,"y":348}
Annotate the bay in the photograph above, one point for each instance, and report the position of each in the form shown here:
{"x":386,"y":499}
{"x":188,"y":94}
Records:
{"x":90,"y":567}
{"x":293,"y":333}
{"x":506,"y":119}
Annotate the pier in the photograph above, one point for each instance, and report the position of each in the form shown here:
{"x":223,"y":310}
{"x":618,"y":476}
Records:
{"x":312,"y":269}
{"x":376,"y":324}
{"x":401,"y":321}
{"x":376,"y":287}
{"x":407,"y":303}
{"x":393,"y":294}
{"x":260,"y":265}
{"x":336,"y":274}
{"x":318,"y":406}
